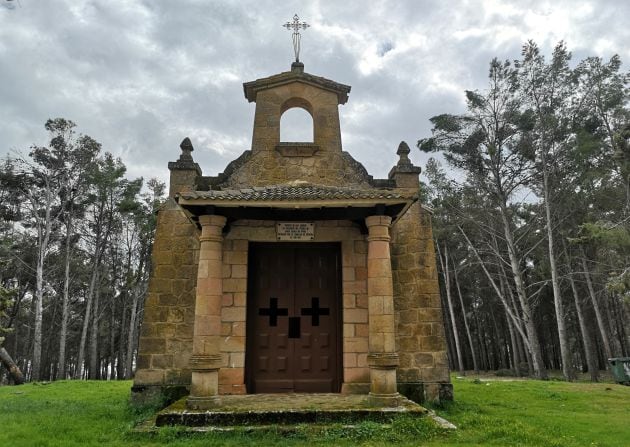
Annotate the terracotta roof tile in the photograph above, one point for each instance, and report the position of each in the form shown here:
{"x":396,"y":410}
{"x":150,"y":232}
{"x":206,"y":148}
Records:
{"x":295,"y":192}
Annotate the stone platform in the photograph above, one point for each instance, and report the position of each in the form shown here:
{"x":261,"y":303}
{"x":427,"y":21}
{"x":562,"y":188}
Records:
{"x":280,"y":409}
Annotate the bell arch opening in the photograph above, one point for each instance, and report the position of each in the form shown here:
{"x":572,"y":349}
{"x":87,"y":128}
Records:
{"x":296,"y":121}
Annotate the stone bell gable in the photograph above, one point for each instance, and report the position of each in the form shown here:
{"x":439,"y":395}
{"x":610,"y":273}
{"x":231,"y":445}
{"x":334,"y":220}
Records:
{"x":271,"y":161}
{"x":293,"y":270}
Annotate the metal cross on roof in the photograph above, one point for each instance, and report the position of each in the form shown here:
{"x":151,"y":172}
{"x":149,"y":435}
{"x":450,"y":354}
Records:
{"x":296,"y":25}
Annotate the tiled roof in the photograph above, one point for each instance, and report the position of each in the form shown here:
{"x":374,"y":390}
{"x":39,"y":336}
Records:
{"x":294,"y":193}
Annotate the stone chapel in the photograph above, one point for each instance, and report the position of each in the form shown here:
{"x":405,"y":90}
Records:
{"x":293,"y":270}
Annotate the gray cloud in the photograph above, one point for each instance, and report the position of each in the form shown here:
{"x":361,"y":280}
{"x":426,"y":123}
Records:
{"x":139,"y":76}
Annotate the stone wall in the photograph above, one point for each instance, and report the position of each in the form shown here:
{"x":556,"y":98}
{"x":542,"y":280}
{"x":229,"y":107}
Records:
{"x":272,"y":168}
{"x":233,"y":316}
{"x":165,"y":344}
{"x":421,"y":343}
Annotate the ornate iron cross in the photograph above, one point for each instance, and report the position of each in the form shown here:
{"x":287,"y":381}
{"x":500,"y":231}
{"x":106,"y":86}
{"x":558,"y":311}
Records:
{"x":296,"y":25}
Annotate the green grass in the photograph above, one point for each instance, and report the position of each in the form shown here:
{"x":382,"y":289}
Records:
{"x":501,"y":413}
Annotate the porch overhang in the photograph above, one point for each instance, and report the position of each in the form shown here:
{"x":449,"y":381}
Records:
{"x":298,"y":202}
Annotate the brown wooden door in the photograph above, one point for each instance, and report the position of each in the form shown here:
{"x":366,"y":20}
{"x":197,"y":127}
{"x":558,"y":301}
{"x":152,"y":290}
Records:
{"x":293,"y":321}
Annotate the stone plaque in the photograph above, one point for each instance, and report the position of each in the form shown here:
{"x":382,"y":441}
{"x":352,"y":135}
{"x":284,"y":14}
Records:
{"x":295,"y":231}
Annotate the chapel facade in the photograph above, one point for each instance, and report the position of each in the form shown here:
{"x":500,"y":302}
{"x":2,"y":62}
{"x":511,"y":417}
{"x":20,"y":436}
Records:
{"x":293,"y":270}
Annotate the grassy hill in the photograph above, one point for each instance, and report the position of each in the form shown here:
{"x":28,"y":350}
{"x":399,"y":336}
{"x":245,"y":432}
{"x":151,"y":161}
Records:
{"x":487,"y":412}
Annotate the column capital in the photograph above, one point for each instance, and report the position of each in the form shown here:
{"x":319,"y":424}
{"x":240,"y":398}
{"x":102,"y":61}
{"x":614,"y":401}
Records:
{"x":372,"y":221}
{"x":378,"y":228}
{"x":214,"y":220}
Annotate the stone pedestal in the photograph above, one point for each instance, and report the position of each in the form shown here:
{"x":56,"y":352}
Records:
{"x":382,"y":358}
{"x":206,"y":359}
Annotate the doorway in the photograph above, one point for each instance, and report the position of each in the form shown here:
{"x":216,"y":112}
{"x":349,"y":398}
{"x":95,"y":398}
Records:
{"x":294,"y":318}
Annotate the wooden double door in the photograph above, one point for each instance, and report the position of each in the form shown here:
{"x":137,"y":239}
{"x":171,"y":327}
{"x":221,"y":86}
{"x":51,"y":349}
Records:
{"x":294,"y":318}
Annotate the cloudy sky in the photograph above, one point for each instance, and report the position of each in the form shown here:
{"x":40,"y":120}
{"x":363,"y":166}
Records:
{"x":140,"y":75}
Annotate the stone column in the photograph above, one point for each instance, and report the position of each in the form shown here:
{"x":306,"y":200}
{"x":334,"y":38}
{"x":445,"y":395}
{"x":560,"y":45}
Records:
{"x":206,"y":358}
{"x":382,"y":358}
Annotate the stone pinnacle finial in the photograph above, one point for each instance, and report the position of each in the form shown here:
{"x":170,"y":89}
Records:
{"x":186,"y":147}
{"x":405,"y":173}
{"x":403,"y":152}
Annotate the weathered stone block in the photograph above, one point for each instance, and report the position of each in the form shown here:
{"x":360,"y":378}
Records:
{"x":238,"y":328}
{"x":235,"y":257}
{"x":424,"y":359}
{"x":434,"y":374}
{"x":153,"y":345}
{"x":161,"y":361}
{"x":165,"y":330}
{"x":229,"y":314}
{"x":354,"y":287}
{"x":231,"y":376}
{"x":234,"y":285}
{"x":233,"y":344}
{"x":143,"y":361}
{"x":175,"y":315}
{"x":361,"y":330}
{"x":408,"y":375}
{"x":355,"y":344}
{"x":149,"y":377}
{"x":356,"y":375}
{"x":356,"y":315}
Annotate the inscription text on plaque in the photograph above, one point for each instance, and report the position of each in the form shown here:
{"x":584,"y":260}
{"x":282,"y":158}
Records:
{"x":295,"y":231}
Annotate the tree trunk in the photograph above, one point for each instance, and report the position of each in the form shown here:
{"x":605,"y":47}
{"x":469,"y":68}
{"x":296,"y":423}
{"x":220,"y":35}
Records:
{"x":480,"y":340}
{"x":38,"y":310}
{"x":122,"y":337}
{"x":65,"y":312}
{"x":528,"y":317}
{"x":112,"y":339}
{"x":466,"y":326}
{"x":9,"y":364}
{"x":86,"y":321}
{"x":615,"y":345}
{"x":596,"y":307}
{"x":591,"y":360}
{"x":510,"y":324}
{"x":447,"y":285}
{"x":131,"y":334}
{"x":522,"y":354}
{"x":529,"y":334}
{"x":565,"y":351}
{"x":93,"y":372}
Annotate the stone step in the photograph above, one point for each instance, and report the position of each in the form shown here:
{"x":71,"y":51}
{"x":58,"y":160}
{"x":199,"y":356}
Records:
{"x":285,"y":409}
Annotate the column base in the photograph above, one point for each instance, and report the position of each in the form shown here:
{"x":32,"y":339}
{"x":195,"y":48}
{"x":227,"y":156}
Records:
{"x":384,"y":400}
{"x":202,"y":403}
